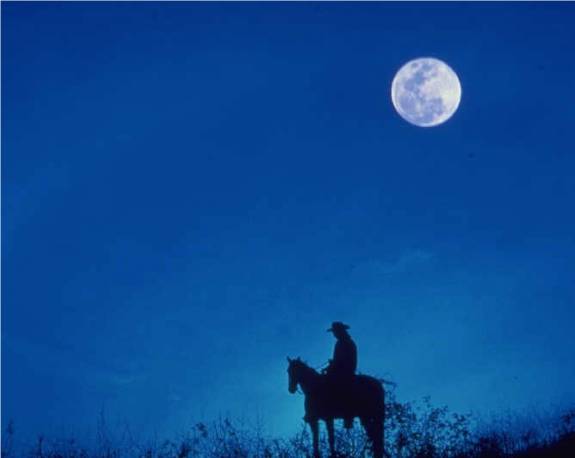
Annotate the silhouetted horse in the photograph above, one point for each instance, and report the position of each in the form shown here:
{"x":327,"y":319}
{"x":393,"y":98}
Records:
{"x":366,"y":400}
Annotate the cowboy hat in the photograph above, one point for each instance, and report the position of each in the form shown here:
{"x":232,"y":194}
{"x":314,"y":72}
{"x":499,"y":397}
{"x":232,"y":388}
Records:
{"x":338,"y":325}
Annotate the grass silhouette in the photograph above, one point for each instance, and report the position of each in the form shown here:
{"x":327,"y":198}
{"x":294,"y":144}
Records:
{"x":413,"y":429}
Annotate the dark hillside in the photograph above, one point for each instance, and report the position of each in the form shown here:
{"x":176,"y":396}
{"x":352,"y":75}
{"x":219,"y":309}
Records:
{"x":417,"y":430}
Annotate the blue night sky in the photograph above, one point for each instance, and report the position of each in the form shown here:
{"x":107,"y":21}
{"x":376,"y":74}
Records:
{"x":192,"y":192}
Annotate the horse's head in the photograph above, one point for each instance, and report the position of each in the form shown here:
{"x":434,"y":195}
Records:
{"x":294,"y":373}
{"x":301,"y":374}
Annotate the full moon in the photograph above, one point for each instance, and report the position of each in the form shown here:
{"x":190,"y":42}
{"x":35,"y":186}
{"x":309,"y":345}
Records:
{"x":426,"y":92}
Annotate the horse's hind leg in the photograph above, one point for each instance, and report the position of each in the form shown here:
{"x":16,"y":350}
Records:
{"x":374,"y":430}
{"x":377,"y":437}
{"x":366,"y":423}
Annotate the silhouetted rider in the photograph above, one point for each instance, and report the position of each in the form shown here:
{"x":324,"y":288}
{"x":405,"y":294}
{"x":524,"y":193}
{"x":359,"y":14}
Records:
{"x":344,"y":362}
{"x":341,"y":369}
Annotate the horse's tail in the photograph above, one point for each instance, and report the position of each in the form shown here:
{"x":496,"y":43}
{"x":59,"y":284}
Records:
{"x":379,"y":443}
{"x":385,"y":382}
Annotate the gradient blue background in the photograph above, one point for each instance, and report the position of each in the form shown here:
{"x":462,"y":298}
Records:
{"x":192,"y":192}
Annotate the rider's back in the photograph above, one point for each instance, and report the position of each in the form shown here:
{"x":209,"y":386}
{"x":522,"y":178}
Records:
{"x":345,"y":357}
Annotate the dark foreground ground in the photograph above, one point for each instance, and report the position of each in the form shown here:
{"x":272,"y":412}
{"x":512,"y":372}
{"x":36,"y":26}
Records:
{"x":417,"y":430}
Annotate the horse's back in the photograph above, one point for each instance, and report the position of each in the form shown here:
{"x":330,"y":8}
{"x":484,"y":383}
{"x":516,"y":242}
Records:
{"x":367,"y":381}
{"x":369,"y":392}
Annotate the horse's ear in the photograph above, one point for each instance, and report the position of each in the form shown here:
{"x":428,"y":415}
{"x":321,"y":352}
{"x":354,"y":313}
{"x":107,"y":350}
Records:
{"x":289,"y":359}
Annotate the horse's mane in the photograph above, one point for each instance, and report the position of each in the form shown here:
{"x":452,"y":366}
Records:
{"x":305,"y":366}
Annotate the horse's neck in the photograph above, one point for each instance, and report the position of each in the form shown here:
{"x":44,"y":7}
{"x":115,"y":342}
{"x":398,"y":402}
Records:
{"x":310,"y":378}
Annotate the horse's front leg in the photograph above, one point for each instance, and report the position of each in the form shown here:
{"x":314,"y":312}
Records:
{"x":330,"y":436}
{"x":314,"y":425}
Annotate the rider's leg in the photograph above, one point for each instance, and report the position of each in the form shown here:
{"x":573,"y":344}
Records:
{"x":348,"y":397}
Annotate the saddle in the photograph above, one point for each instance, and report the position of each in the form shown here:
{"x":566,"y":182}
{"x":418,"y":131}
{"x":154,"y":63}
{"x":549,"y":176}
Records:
{"x":341,"y":391}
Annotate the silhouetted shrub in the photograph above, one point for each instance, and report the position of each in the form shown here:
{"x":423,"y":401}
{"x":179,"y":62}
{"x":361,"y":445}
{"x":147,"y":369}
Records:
{"x":418,"y":430}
